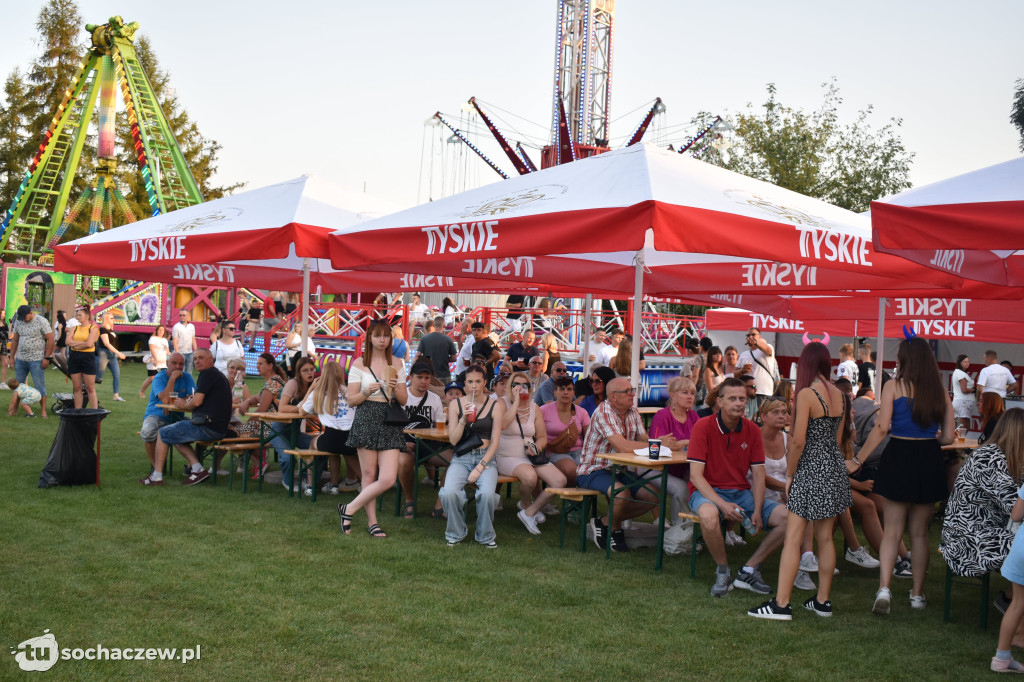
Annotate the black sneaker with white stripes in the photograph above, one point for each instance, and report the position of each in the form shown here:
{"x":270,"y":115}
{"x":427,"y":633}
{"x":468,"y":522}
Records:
{"x":772,"y":611}
{"x":822,"y":609}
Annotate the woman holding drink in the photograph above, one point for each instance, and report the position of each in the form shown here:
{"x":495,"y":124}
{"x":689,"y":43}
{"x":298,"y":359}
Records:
{"x":523,"y":438}
{"x":474,"y":429}
{"x":374,"y":379}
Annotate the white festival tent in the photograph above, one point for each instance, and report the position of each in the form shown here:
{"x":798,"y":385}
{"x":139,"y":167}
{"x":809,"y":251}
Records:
{"x":637,"y":220}
{"x":971,"y":225}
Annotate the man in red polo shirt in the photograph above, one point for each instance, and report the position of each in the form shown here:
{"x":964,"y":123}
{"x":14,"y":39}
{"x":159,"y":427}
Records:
{"x":723,"y":448}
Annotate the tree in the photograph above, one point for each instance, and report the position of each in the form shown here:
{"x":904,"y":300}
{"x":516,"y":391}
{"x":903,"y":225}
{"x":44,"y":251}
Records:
{"x":15,"y":147}
{"x":813,"y":153}
{"x":61,"y":32}
{"x":1017,"y":111}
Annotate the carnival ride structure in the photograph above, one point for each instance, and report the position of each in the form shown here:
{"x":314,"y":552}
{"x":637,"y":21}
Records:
{"x":581,"y":100}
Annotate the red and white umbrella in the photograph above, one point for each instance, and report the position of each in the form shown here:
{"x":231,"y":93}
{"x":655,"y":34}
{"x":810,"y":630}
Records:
{"x":603,"y":206}
{"x":665,"y":223}
{"x":971,"y":225}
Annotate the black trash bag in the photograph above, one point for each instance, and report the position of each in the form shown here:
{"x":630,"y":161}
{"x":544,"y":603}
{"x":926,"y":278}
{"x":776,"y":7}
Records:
{"x":72,"y":459}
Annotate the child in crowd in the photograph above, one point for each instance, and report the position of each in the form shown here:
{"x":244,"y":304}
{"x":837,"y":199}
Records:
{"x":24,"y":394}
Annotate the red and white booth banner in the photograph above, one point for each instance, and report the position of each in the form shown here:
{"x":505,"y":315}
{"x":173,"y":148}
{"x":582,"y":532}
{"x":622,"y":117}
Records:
{"x":269,"y":222}
{"x":675,"y":274}
{"x":919,"y":309}
{"x":606,"y":205}
{"x":733,"y":319}
{"x":970,"y":225}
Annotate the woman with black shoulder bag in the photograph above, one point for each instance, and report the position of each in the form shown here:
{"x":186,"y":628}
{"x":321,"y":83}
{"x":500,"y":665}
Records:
{"x":474,"y":428}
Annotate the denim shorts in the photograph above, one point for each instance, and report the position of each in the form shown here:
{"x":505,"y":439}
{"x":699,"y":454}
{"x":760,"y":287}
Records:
{"x":744,"y":499}
{"x":601,"y":481}
{"x":187,"y":432}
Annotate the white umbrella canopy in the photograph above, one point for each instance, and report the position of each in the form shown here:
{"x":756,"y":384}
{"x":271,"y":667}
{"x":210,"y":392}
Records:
{"x":971,"y":225}
{"x":642,"y":214}
{"x":604,"y":206}
{"x":273,"y":222}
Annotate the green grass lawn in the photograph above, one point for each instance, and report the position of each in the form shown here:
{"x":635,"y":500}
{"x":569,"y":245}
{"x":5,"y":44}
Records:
{"x":270,"y":589}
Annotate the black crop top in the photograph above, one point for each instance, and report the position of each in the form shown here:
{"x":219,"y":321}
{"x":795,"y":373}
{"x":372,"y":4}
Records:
{"x":483,"y":425}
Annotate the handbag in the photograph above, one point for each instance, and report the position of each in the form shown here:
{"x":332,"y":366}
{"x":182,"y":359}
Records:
{"x":395,"y":414}
{"x":470,"y":440}
{"x":533,"y":453}
{"x":565,"y":440}
{"x":199,"y":419}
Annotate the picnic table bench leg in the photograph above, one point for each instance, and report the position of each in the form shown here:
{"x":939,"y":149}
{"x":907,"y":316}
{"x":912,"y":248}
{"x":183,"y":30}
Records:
{"x":663,"y":499}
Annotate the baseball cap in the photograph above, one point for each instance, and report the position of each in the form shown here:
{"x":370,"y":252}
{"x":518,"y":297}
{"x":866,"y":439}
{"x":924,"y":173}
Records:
{"x":454,"y":384}
{"x":23,"y":311}
{"x":421,"y":367}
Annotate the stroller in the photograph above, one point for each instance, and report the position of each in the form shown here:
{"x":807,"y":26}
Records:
{"x":62,"y":401}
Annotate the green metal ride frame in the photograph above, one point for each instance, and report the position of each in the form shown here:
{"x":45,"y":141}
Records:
{"x":35,"y":221}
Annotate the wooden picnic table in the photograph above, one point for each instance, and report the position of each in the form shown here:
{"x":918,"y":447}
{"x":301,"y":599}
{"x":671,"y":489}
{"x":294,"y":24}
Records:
{"x":621,"y":460}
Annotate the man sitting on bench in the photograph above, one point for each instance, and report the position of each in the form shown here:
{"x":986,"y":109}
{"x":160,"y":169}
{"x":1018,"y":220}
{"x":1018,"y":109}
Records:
{"x":170,"y":380}
{"x":615,"y":427}
{"x":723,"y":448}
{"x":211,"y":411}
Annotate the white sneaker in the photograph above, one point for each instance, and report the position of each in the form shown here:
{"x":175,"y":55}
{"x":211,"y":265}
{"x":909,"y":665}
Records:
{"x":809,"y":563}
{"x":528,"y":521}
{"x":883,"y":598}
{"x":539,"y":517}
{"x":804,"y":582}
{"x":918,"y":602}
{"x":733,"y":540}
{"x":861,"y":557}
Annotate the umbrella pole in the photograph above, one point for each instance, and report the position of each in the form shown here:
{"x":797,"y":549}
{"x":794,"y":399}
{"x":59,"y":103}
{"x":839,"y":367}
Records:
{"x":587,"y":312}
{"x":881,"y":349}
{"x":305,"y":305}
{"x":638,"y":297}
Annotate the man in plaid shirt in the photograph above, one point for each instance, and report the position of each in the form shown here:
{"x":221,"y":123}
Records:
{"x":615,"y":427}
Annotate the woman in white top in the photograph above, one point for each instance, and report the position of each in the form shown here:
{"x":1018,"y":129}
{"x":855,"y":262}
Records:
{"x":159,"y":349}
{"x":374,"y":379}
{"x":523,"y":423}
{"x":226,"y":348}
{"x":293,"y":344}
{"x":964,"y":401}
{"x":329,"y":401}
{"x":450,"y":313}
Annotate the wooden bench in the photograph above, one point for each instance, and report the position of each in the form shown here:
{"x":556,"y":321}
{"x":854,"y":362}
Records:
{"x":982,"y":582}
{"x":306,"y":461}
{"x":582,"y":499}
{"x":240,"y":451}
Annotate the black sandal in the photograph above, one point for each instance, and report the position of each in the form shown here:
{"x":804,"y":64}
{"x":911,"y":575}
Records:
{"x":438,"y":513}
{"x":345,"y":519}
{"x":409,"y":511}
{"x":376,"y":531}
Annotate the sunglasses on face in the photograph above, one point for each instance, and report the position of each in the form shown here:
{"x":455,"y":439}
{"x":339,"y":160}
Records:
{"x":597,"y":381}
{"x":519,"y":384}
{"x":630,"y":391}
{"x":559,"y":371}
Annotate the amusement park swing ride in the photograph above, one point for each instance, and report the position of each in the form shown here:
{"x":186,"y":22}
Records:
{"x":38,"y":217}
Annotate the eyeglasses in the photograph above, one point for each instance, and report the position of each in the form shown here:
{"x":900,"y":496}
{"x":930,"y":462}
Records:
{"x":630,"y":391}
{"x":536,"y":363}
{"x":231,"y":329}
{"x":597,"y":381}
{"x":519,"y":384}
{"x":558,"y":371}
{"x":749,"y":335}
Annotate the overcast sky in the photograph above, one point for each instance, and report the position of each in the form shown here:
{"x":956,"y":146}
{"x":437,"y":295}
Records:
{"x":342,"y":89}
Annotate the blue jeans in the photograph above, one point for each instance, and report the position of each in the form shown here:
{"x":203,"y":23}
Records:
{"x":22,"y":368}
{"x":189,"y":364}
{"x":106,"y":359}
{"x":282,"y":443}
{"x":453,"y":497}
